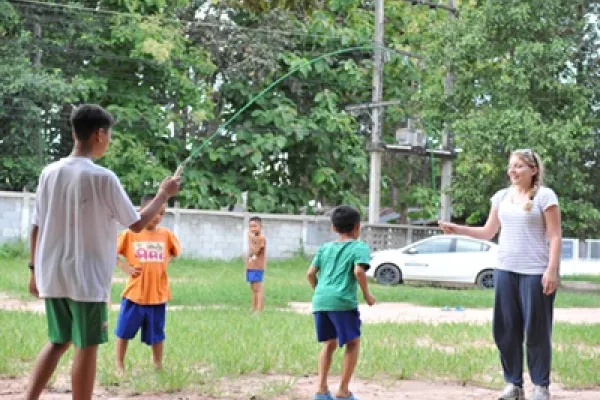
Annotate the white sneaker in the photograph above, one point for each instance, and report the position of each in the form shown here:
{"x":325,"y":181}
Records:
{"x":512,"y":392}
{"x":540,"y":393}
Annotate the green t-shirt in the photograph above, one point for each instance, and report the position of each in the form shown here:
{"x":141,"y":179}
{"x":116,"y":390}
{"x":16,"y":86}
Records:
{"x":336,"y":283}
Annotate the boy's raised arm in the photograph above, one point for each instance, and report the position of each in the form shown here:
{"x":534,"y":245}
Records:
{"x":168,"y":188}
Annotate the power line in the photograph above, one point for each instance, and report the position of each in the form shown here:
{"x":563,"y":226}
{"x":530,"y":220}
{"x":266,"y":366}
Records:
{"x":57,"y":117}
{"x":58,"y":49}
{"x":162,"y":94}
{"x":136,"y":76}
{"x":50,"y":117}
{"x":107,"y":13}
{"x":196,"y":27}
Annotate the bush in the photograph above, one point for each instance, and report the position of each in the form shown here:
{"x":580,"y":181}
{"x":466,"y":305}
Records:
{"x":14,"y":249}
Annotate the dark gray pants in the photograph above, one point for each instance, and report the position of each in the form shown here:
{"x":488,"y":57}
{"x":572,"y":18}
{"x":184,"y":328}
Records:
{"x":522,"y":312}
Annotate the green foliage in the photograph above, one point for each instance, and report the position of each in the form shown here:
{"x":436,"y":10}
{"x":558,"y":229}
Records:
{"x":526,"y":75}
{"x":13,"y":250}
{"x":521,"y":81}
{"x":26,"y":98}
{"x":140,"y":66}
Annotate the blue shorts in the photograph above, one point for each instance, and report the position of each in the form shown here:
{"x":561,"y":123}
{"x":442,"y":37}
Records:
{"x":255,"y":275}
{"x":133,"y":316}
{"x":341,"y":325}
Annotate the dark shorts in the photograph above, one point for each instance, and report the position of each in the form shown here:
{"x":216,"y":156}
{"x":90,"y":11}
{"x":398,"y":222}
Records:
{"x":82,"y":323}
{"x":150,"y":318}
{"x":341,"y":325}
{"x":255,"y":275}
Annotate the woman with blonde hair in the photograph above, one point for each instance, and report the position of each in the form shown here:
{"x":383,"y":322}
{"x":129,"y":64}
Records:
{"x":527,"y":274}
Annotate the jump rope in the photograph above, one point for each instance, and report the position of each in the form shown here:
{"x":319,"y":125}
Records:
{"x":197,"y":149}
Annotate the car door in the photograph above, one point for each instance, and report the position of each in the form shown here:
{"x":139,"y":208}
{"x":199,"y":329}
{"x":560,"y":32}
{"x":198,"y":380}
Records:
{"x":425,"y":260}
{"x":470,"y":258}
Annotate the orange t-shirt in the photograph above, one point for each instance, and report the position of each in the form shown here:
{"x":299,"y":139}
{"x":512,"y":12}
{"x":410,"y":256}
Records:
{"x":150,"y":251}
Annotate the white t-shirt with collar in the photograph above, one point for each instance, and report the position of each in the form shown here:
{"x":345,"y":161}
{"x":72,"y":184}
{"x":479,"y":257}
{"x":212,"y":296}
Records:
{"x":77,"y":207}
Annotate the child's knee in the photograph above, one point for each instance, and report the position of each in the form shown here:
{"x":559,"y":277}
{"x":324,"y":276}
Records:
{"x":353,"y":344}
{"x":87,"y":350}
{"x":256,"y":288}
{"x":60,"y":347}
{"x":330,"y":345}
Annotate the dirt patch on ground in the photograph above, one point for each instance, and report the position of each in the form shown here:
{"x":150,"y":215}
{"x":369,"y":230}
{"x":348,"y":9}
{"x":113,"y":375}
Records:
{"x":581,"y":287}
{"x":277,"y":387}
{"x":380,"y":313}
{"x":9,"y":303}
{"x":12,"y":304}
{"x":406,"y":312}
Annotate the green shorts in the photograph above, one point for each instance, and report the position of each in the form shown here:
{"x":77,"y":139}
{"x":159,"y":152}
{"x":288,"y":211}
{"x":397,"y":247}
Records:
{"x":83,"y":323}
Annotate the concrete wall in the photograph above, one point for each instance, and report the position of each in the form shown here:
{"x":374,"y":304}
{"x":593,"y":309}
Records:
{"x":205,"y":234}
{"x":222,"y":235}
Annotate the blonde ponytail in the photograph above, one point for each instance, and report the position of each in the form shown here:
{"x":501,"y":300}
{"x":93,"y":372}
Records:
{"x":528,"y":206}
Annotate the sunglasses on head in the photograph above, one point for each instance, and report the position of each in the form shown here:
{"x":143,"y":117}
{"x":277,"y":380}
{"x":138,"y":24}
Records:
{"x":529,"y":153}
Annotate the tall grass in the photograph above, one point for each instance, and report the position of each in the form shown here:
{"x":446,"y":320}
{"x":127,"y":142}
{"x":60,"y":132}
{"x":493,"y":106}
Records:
{"x":14,"y":250}
{"x":203,"y":346}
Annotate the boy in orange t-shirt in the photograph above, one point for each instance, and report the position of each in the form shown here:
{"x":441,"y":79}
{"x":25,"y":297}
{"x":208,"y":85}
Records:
{"x":147,"y":290}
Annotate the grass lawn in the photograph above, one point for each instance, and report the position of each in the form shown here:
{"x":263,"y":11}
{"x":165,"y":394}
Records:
{"x":206,"y":282}
{"x":206,"y":344}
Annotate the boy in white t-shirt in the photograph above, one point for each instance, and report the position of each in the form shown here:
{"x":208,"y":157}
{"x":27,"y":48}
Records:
{"x":73,"y":248}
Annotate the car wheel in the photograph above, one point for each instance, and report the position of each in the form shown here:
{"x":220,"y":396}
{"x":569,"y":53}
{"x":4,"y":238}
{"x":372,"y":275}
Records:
{"x":388,"y":274}
{"x":485,"y":279}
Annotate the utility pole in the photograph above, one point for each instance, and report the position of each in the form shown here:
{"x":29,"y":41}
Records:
{"x":445,"y":199}
{"x":37,"y":64}
{"x":375,"y":156}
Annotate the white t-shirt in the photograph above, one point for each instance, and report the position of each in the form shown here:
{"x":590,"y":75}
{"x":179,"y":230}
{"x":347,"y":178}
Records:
{"x":523,"y":245}
{"x":77,"y":207}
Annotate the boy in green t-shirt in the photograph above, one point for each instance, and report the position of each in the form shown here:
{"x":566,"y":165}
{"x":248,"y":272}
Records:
{"x":336,"y":271}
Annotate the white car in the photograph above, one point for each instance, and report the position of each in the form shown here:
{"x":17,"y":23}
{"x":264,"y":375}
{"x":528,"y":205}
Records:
{"x":444,"y":258}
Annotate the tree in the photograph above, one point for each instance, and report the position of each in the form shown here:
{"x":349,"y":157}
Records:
{"x":27,"y":96}
{"x":138,"y":62}
{"x":295,"y":143}
{"x":176,"y":72}
{"x":302,"y":145}
{"x":524,"y":79}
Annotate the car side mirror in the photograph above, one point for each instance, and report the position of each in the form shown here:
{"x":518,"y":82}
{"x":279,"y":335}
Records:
{"x":412,"y":250}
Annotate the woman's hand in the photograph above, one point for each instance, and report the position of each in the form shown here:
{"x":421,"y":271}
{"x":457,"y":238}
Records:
{"x":448,"y":227}
{"x":550,"y":281}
